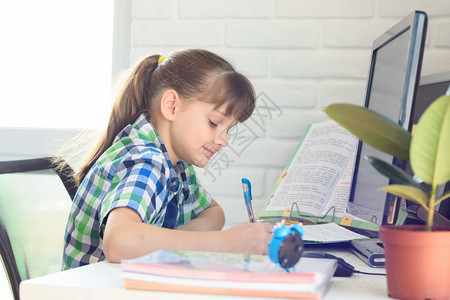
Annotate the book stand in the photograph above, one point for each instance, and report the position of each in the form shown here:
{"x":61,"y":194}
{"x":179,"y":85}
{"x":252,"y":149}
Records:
{"x":332,"y":209}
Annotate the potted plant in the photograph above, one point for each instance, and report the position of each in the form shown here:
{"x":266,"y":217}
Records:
{"x":417,"y":257}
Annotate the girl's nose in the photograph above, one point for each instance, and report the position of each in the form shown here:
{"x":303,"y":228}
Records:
{"x":221,"y":139}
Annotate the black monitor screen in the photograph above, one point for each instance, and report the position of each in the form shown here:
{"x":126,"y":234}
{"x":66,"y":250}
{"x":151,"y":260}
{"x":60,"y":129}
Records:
{"x":432,"y":87}
{"x":393,"y":79}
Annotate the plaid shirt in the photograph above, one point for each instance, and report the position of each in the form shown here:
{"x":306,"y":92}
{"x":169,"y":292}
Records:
{"x":135,"y":172}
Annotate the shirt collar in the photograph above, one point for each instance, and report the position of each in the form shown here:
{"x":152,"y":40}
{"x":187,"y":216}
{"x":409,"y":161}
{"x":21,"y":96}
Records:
{"x":144,"y":127}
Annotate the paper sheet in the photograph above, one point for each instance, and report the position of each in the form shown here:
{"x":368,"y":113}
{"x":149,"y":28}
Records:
{"x":329,"y":233}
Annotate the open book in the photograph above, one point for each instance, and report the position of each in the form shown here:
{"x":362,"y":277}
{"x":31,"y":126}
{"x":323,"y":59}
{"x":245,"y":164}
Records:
{"x":227,"y":274}
{"x":317,"y":179}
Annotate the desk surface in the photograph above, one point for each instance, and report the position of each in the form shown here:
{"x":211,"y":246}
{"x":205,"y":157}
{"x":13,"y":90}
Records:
{"x":102,"y":281}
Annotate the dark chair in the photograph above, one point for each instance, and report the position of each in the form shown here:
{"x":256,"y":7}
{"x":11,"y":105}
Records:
{"x":35,"y":199}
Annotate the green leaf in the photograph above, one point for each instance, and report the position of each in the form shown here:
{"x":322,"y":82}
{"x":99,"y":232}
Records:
{"x":408,"y":192}
{"x":393,"y":172}
{"x":372,"y":128}
{"x":443,"y":197}
{"x":430,"y":158}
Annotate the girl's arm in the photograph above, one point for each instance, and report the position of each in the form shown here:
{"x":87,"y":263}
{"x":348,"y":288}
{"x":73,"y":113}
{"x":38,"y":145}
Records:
{"x":126,"y":236}
{"x":211,"y":218}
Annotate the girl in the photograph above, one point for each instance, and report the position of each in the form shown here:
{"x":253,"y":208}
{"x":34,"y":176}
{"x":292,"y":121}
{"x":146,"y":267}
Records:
{"x":138,"y":190}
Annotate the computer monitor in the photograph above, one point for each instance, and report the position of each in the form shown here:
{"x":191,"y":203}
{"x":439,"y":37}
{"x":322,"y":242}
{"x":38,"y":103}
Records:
{"x":430,"y":88}
{"x":392,"y":83}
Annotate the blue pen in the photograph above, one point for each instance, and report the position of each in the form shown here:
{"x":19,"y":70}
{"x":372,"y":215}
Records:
{"x":247,"y":187}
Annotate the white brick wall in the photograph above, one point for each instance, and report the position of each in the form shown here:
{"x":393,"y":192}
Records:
{"x":270,"y":34}
{"x":302,"y":54}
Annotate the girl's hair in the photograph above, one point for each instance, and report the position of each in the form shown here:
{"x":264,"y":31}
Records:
{"x":194,"y":73}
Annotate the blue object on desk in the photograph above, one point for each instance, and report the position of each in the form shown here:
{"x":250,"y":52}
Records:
{"x":247,"y":187}
{"x":286,"y":246}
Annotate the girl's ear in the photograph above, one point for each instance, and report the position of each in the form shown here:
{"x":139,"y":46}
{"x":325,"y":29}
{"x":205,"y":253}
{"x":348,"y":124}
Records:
{"x":170,"y":100}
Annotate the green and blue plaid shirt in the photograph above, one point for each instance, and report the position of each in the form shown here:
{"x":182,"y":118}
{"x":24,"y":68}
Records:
{"x":135,"y":172}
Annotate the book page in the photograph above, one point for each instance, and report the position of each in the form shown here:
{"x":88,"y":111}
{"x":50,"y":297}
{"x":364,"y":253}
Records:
{"x":341,"y":192}
{"x":315,"y":169}
{"x":329,"y":233}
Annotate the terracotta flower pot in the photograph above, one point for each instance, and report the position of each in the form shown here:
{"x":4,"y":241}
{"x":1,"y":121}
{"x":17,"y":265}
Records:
{"x":417,"y":261}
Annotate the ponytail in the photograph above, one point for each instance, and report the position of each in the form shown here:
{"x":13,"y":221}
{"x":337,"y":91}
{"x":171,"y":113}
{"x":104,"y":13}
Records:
{"x":132,"y":100}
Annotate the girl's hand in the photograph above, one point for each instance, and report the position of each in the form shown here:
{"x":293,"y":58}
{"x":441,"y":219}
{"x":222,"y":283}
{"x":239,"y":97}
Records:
{"x":249,"y":238}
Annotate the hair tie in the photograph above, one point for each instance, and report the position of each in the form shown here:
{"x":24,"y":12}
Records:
{"x":161,"y":59}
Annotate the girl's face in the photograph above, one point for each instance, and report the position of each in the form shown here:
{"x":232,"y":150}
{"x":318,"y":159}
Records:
{"x":198,"y":132}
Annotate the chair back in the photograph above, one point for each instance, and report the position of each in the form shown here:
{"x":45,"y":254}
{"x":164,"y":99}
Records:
{"x":35,"y":200}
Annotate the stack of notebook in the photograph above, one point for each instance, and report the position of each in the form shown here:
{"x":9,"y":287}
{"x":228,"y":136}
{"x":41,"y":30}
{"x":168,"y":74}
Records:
{"x":227,"y":274}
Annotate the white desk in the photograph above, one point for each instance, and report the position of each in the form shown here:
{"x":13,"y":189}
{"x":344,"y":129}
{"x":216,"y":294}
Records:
{"x":103,"y":281}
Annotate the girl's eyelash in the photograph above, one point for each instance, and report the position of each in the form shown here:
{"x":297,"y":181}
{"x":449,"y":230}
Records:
{"x":212,"y":123}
